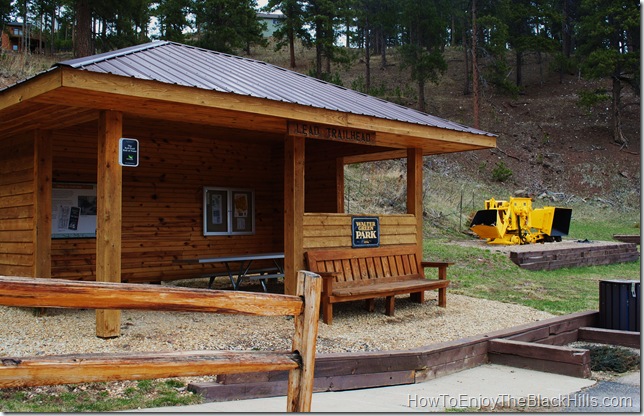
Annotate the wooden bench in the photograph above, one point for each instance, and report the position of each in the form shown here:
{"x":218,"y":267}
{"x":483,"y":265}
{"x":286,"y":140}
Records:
{"x":41,"y":370}
{"x":368,"y":273}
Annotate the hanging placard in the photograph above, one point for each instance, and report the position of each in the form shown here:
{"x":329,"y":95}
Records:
{"x":128,"y":152}
{"x":365,"y":232}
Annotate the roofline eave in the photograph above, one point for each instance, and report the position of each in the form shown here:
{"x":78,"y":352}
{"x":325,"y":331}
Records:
{"x":56,"y":85}
{"x":30,"y":88}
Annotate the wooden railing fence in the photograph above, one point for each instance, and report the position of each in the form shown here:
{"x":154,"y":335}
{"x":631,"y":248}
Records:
{"x":82,"y":368}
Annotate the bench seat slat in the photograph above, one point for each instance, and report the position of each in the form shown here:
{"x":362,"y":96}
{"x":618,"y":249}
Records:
{"x":384,"y":289}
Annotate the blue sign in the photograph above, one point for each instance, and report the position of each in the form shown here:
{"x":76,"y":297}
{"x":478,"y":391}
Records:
{"x":365,"y":232}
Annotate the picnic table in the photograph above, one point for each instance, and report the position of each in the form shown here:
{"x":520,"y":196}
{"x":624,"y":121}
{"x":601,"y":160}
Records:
{"x":238,"y":267}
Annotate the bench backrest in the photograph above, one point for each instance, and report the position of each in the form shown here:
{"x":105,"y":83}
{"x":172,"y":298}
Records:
{"x":366,"y":265}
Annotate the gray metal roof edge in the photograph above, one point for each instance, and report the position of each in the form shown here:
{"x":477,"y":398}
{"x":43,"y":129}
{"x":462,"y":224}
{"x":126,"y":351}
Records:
{"x":88,"y":60}
{"x":79,"y":63}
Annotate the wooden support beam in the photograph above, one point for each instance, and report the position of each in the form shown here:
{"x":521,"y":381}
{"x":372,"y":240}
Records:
{"x":339,"y":185}
{"x":540,"y":357}
{"x":293,"y":211}
{"x":109,"y":216}
{"x":415,"y":193}
{"x":42,"y":203}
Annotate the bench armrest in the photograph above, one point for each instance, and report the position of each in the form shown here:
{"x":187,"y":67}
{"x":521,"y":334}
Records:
{"x":327,"y":281}
{"x":441,"y":265}
{"x":436,"y":263}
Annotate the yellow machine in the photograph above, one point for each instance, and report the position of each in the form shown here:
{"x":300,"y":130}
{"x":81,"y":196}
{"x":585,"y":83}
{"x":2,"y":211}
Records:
{"x":515,"y":222}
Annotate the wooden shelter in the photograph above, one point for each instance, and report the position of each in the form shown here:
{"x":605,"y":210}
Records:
{"x":209,"y":128}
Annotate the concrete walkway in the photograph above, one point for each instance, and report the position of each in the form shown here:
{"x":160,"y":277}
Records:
{"x":621,"y":395}
{"x":490,"y":386}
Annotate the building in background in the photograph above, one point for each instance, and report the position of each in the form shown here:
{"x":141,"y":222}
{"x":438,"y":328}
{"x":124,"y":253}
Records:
{"x":272,"y":22}
{"x":16,"y":37}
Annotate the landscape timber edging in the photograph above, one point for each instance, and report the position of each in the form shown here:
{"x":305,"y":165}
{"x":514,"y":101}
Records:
{"x":347,"y":371}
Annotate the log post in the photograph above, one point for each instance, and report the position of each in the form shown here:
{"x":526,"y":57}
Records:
{"x":42,"y":203}
{"x":300,"y":380}
{"x":415,"y":193}
{"x":293,"y":211}
{"x":109,"y":216}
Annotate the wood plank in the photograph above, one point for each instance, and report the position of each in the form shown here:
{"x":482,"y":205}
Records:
{"x":628,"y":238}
{"x":20,"y":291}
{"x":567,"y":369}
{"x":539,"y":351}
{"x":87,"y":368}
{"x":216,"y":392}
{"x":610,"y":336}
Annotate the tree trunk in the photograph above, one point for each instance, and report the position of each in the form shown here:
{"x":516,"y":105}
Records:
{"x":421,"y":95}
{"x":519,"y":65}
{"x":383,"y":49}
{"x":83,"y":33}
{"x":618,"y":137}
{"x":367,"y":57}
{"x":466,"y":86}
{"x":291,"y":46}
{"x":475,"y":71}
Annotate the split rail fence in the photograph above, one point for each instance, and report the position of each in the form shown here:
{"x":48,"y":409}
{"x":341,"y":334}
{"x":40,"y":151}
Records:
{"x":82,"y":368}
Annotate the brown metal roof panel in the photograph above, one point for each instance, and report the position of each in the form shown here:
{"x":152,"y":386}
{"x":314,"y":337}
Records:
{"x":190,"y":66}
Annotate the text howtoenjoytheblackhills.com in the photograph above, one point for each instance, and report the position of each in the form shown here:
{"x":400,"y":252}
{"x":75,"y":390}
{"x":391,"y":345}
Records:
{"x":504,"y":401}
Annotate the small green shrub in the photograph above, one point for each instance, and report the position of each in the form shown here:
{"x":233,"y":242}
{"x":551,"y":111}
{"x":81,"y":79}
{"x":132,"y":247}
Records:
{"x":501,"y":172}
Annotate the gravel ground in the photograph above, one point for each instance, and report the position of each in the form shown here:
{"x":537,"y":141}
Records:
{"x":61,"y":331}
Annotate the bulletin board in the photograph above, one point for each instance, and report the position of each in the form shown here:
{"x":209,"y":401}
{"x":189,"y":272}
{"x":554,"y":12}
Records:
{"x":73,"y":210}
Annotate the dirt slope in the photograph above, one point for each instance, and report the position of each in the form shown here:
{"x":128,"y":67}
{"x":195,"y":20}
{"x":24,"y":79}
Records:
{"x":551,"y":144}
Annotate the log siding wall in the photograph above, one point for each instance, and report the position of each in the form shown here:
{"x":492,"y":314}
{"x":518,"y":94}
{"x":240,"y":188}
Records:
{"x":17,"y":206}
{"x":162,"y":204}
{"x":334,"y":230}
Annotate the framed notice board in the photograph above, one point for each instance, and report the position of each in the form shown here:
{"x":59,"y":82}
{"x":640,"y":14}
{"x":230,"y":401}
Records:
{"x":73,"y":210}
{"x":228,"y":211}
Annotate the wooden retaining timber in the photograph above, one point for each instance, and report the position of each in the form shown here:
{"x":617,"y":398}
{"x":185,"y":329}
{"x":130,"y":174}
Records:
{"x":628,"y":238}
{"x":538,"y":346}
{"x":550,"y":257}
{"x":549,"y":358}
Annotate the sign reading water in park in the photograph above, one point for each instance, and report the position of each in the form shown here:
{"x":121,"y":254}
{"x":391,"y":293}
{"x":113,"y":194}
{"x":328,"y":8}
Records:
{"x":365,"y":232}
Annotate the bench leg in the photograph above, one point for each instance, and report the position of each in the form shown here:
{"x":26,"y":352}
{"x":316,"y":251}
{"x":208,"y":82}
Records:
{"x":390,"y":305}
{"x":418,"y":297}
{"x":327,"y":311}
{"x":370,"y":305}
{"x":442,"y":297}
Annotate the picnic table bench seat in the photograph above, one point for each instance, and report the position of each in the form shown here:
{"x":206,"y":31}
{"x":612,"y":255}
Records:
{"x":262,"y":274}
{"x":369,"y":273}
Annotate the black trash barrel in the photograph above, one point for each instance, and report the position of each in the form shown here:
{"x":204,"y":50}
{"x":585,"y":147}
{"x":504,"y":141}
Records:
{"x":619,"y":304}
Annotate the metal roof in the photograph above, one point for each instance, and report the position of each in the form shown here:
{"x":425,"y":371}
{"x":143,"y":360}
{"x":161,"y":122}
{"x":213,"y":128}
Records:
{"x":180,"y":64}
